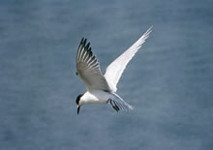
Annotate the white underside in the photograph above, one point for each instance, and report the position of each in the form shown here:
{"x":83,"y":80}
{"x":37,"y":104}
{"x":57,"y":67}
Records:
{"x":101,"y":97}
{"x":95,"y":97}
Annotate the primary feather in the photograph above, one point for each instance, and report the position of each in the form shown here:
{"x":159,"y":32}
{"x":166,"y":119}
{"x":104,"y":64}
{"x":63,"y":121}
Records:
{"x":116,"y":68}
{"x":88,"y":68}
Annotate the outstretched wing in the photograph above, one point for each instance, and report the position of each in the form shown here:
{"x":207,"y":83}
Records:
{"x":88,"y":68}
{"x":116,"y":68}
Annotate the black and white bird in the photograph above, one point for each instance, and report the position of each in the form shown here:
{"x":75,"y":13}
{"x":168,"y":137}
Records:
{"x":101,"y":88}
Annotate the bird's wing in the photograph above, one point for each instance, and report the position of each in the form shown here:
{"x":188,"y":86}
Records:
{"x":116,"y":68}
{"x":88,"y":68}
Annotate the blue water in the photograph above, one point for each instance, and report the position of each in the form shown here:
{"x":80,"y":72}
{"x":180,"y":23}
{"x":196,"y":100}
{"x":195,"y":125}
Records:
{"x":169,"y":82}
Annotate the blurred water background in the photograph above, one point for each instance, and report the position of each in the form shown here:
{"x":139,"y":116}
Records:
{"x":169,"y":81}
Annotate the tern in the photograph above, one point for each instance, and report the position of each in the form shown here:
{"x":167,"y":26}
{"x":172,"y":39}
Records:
{"x":101,"y":88}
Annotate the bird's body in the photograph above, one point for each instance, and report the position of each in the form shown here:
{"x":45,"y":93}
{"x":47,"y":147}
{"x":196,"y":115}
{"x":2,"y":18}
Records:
{"x":101,"y":89}
{"x":95,"y":97}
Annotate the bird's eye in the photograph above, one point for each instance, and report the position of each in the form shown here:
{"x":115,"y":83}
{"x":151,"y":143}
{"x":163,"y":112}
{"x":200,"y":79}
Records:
{"x":76,"y":73}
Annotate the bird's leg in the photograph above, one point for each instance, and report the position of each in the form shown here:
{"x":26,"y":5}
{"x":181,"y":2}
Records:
{"x":114,"y":106}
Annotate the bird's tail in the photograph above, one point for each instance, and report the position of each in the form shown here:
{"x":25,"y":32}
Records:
{"x":118,"y":103}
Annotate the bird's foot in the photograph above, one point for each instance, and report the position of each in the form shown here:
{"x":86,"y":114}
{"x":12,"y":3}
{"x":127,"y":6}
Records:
{"x":113,"y":104}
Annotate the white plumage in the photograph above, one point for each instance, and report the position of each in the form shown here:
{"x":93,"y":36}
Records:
{"x":101,"y":89}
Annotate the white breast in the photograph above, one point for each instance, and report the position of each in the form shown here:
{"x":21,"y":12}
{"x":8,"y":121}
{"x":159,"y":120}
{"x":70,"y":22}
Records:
{"x":95,"y":97}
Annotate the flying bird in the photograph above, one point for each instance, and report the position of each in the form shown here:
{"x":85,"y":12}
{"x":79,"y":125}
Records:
{"x":101,"y":88}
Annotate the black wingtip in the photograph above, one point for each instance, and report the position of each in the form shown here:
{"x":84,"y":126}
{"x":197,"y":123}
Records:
{"x":82,"y":40}
{"x":90,"y":51}
{"x":87,"y":46}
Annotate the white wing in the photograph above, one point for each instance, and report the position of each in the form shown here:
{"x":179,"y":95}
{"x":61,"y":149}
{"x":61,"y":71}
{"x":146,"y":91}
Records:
{"x":116,"y":68}
{"x":88,"y":68}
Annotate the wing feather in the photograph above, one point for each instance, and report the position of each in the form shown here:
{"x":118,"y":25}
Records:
{"x":116,"y":68}
{"x":88,"y":68}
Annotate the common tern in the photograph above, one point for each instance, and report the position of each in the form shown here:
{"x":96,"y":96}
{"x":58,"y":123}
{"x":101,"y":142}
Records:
{"x":101,"y":89}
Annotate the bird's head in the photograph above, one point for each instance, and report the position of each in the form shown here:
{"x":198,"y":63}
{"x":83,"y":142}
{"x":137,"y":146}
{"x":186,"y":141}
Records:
{"x":78,"y":102}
